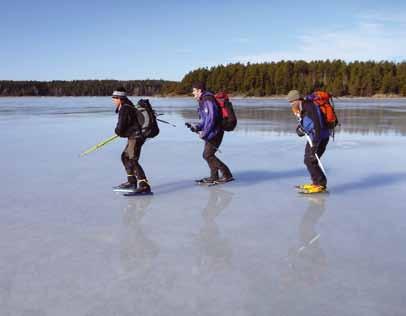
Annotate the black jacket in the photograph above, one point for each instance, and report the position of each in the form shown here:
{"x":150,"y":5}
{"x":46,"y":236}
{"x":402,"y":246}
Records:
{"x":127,"y":124}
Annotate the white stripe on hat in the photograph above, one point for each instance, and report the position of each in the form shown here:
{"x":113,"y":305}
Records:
{"x":119,"y":94}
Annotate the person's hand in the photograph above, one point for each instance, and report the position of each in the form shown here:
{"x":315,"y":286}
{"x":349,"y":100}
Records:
{"x":192,"y":127}
{"x":300,"y":131}
{"x":200,"y":134}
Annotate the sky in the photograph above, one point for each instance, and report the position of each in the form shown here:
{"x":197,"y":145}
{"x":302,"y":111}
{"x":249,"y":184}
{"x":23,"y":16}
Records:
{"x":129,"y":40}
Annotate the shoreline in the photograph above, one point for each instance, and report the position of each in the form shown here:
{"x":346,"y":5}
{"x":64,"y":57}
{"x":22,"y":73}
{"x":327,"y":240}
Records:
{"x":275,"y":97}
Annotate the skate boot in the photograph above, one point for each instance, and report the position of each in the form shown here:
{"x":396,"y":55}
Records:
{"x":314,"y":189}
{"x":207,"y":180}
{"x":143,"y":187}
{"x":226,"y":178}
{"x":304,"y":186}
{"x":125,"y":187}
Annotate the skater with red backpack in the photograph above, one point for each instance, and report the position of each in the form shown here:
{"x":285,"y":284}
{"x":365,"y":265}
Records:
{"x":216,"y":116}
{"x":317,"y":121}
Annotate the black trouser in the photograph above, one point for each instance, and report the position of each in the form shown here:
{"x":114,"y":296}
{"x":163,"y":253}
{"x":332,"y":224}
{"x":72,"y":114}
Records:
{"x":130,"y":157}
{"x":310,"y":160}
{"x":214,"y":163}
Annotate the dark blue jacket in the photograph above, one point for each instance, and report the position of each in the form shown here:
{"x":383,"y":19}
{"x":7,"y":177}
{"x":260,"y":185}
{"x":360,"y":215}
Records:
{"x":312,"y":121}
{"x":209,"y":116}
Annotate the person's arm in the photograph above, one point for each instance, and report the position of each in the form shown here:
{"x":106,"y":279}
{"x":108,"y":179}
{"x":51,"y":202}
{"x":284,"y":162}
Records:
{"x":198,"y":127}
{"x":209,"y":123}
{"x":311,"y":121}
{"x":123,"y":121}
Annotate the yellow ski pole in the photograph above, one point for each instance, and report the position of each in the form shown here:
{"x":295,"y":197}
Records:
{"x":99,"y":145}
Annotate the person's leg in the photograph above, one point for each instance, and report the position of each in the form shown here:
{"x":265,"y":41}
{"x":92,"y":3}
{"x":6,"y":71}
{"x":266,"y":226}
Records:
{"x":225,"y":171}
{"x":131,"y":180}
{"x":322,"y":180}
{"x":322,"y":147}
{"x":311,"y":163}
{"x":134,"y":153}
{"x":208,"y":155}
{"x":215,"y":164}
{"x":143,"y":185}
{"x":310,"y":160}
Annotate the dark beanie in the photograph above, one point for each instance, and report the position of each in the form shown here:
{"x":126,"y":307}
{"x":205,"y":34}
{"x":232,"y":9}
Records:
{"x":199,"y":85}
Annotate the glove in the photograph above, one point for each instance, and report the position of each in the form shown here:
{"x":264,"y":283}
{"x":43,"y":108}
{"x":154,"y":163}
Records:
{"x":191,"y":127}
{"x":300,"y":131}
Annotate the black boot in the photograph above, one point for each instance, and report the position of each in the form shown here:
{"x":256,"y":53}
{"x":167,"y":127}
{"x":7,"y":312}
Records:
{"x":207,"y":180}
{"x":126,"y":185}
{"x":143,"y":187}
{"x":227,"y":177}
{"x":131,"y":184}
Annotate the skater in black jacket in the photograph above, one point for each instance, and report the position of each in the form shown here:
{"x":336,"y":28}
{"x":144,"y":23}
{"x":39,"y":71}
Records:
{"x":129,"y":127}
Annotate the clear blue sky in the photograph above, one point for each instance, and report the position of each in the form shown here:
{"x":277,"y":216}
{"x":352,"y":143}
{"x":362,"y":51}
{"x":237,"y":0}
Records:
{"x":66,"y":40}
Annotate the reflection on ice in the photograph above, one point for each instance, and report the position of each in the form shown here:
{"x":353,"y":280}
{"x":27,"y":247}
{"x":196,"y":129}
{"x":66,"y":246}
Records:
{"x":279,"y":120}
{"x":215,"y":251}
{"x":70,"y":246}
{"x":137,"y":249}
{"x":307,"y":260}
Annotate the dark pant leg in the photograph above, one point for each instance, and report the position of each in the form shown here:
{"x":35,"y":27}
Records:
{"x":215,"y":164}
{"x":134,"y":154}
{"x":322,"y":147}
{"x":127,"y":165}
{"x":130,"y":157}
{"x":312,"y":165}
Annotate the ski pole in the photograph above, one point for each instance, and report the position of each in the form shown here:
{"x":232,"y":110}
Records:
{"x":308,"y":243}
{"x":99,"y":145}
{"x":173,"y":125}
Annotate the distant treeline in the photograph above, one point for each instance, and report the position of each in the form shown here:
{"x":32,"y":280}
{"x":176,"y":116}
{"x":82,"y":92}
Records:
{"x":277,"y":78}
{"x":82,"y":87}
{"x":262,"y":79}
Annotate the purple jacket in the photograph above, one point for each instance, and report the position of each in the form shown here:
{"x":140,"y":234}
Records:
{"x":209,"y":116}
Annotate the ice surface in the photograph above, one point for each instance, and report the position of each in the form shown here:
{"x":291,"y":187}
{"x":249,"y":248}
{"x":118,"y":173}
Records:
{"x":71,"y":246}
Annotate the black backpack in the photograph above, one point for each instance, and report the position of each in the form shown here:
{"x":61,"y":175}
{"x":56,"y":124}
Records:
{"x":147,"y":119}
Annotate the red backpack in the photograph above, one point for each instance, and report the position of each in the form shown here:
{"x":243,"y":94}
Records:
{"x":324,"y":101}
{"x":229,"y":119}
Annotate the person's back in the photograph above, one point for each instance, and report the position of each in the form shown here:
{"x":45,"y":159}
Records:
{"x":313,"y":122}
{"x":209,"y":115}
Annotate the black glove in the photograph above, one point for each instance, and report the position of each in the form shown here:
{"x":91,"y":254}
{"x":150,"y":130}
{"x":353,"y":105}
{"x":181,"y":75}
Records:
{"x":191,"y":127}
{"x":300,"y":131}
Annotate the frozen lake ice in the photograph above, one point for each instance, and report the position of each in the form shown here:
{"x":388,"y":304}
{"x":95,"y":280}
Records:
{"x":71,"y":246}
